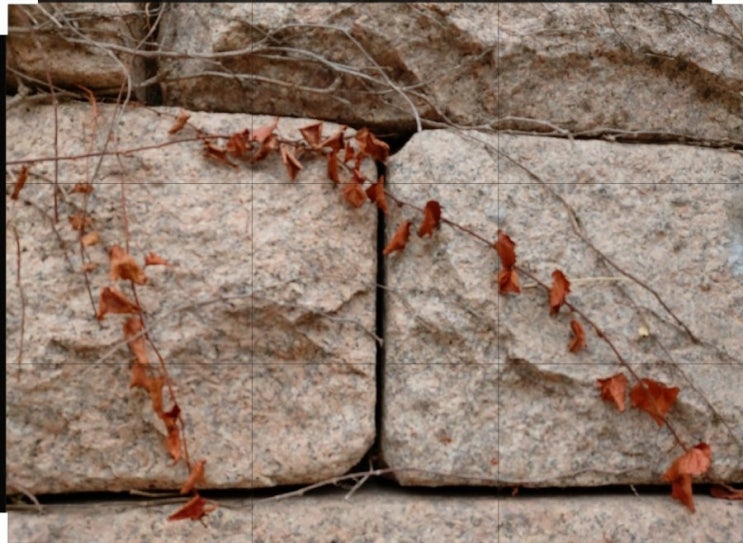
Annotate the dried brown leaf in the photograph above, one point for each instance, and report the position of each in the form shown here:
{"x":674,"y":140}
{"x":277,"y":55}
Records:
{"x":353,"y":193}
{"x":333,"y":167}
{"x":293,"y":165}
{"x":262,"y":133}
{"x":124,"y":267}
{"x":114,"y":301}
{"x":505,"y":246}
{"x":79,"y":223}
{"x":399,"y":240}
{"x":20,"y":180}
{"x":560,"y":289}
{"x":91,"y":238}
{"x":217,"y":154}
{"x":180,"y":122}
{"x":153,"y":259}
{"x":578,"y":341}
{"x":654,"y":398}
{"x":614,"y":389}
{"x":82,"y":188}
{"x":312,"y":134}
{"x":195,"y":509}
{"x":376,"y":195}
{"x":196,"y":476}
{"x":508,"y":281}
{"x":135,"y":340}
{"x":431,"y":218}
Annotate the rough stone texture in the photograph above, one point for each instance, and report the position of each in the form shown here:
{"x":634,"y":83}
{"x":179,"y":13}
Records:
{"x":481,"y":386}
{"x":384,"y":515}
{"x":590,"y":68}
{"x":73,"y":42}
{"x":264,"y":318}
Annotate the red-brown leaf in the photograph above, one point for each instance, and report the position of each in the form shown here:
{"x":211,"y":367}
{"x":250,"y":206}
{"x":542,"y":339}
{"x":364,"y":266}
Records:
{"x":78,"y":222}
{"x":123,"y":266}
{"x":135,"y":340}
{"x":312,"y":133}
{"x":82,"y":188}
{"x":399,"y":240}
{"x":354,"y":194}
{"x":139,"y":376}
{"x":335,"y":142}
{"x":504,"y":245}
{"x":195,"y":509}
{"x":262,"y":133}
{"x":370,"y":145}
{"x":218,"y":154}
{"x":695,"y":461}
{"x":508,"y":281}
{"x":239,"y":143}
{"x":153,"y":259}
{"x":19,"y":182}
{"x":290,"y":161}
{"x":578,"y":341}
{"x":431,"y":218}
{"x":114,"y":301}
{"x":333,"y":167}
{"x":196,"y":476}
{"x":657,"y":400}
{"x":614,"y":389}
{"x":560,"y":289}
{"x":376,"y":195}
{"x":180,"y":122}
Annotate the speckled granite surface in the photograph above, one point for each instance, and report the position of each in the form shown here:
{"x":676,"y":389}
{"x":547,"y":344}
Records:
{"x":376,"y":515}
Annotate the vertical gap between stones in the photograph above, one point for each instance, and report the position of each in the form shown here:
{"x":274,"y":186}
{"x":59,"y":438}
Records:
{"x":153,"y":95}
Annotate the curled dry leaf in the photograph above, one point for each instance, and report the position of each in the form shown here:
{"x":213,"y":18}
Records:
{"x":263,"y":133}
{"x":123,"y":266}
{"x":505,"y":246}
{"x":114,"y":301}
{"x":139,"y":376}
{"x":268,"y":145}
{"x":217,"y":154}
{"x":153,"y":259}
{"x":156,"y":394}
{"x":578,"y":341}
{"x":614,"y":389}
{"x":431,"y":218}
{"x":82,"y":188}
{"x":180,"y":122}
{"x":335,"y":142}
{"x":173,"y":441}
{"x":133,"y":334}
{"x":349,"y":153}
{"x":399,"y":240}
{"x":312,"y":134}
{"x":78,"y":222}
{"x":376,"y":195}
{"x":194,"y":509}
{"x":370,"y":145}
{"x":91,"y":238}
{"x":695,"y":461}
{"x":196,"y":476}
{"x":508,"y":281}
{"x":654,"y":398}
{"x":20,"y":180}
{"x":560,"y":289}
{"x":333,"y":167}
{"x":354,"y":194}
{"x":239,"y":144}
{"x":290,"y":161}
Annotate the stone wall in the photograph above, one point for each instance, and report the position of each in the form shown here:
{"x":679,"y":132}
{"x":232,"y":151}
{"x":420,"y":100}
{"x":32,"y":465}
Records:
{"x":606,"y":140}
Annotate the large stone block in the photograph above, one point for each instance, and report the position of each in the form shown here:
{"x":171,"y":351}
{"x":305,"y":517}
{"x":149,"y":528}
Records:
{"x":77,"y":44}
{"x":265,"y":318}
{"x":481,"y":388}
{"x":640,"y":72}
{"x":379,"y":514}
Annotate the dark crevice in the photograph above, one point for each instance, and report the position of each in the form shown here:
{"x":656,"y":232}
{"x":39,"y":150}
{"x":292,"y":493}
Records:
{"x":507,"y":492}
{"x":153,"y":95}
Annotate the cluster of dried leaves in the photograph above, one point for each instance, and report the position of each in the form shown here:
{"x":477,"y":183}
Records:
{"x":650,"y":396}
{"x":123,"y":267}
